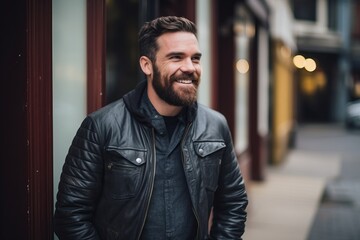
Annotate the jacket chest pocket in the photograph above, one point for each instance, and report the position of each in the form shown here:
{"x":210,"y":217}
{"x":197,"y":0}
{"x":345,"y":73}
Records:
{"x":124,"y":170}
{"x":210,"y":156}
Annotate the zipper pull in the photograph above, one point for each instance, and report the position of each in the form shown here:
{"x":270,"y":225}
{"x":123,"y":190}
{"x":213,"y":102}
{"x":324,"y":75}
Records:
{"x":109,"y":166}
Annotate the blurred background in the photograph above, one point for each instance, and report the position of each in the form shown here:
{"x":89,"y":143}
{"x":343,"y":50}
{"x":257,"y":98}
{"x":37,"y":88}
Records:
{"x":285,"y":73}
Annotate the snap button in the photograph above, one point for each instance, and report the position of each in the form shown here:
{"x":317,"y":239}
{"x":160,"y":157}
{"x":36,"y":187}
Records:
{"x":138,"y":160}
{"x":201,"y":150}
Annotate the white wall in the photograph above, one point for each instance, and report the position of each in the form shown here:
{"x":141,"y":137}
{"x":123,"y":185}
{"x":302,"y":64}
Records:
{"x":282,"y":22}
{"x":69,"y":76}
{"x":203,"y":22}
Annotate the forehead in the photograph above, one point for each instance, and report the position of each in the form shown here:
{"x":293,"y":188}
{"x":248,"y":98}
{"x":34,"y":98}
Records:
{"x":178,"y":42}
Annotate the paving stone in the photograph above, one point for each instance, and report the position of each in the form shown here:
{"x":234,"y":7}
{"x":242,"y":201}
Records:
{"x":336,"y":221}
{"x":338,"y":215}
{"x":315,"y":194}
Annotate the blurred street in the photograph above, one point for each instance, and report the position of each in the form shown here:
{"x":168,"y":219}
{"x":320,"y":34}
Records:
{"x":314,"y":194}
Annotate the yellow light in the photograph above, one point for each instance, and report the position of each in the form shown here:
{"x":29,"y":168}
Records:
{"x":242,"y":66}
{"x":308,"y":85}
{"x":310,"y":64}
{"x":357,"y":89}
{"x":299,"y":61}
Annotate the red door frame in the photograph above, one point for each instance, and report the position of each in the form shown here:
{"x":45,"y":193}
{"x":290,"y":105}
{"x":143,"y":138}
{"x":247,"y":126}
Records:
{"x":27,"y":157}
{"x":39,"y":119}
{"x":96,"y":50}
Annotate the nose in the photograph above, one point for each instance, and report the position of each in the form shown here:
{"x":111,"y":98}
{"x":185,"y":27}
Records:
{"x":188,"y":66}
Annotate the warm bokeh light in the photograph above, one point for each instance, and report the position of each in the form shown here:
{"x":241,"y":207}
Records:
{"x":299,"y":61}
{"x":242,"y":66}
{"x":310,"y":64}
{"x":320,"y":79}
{"x":357,"y":89}
{"x":308,"y":85}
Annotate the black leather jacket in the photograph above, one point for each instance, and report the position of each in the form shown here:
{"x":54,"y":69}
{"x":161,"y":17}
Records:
{"x":108,"y":175}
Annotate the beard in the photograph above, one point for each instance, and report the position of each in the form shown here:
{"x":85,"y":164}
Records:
{"x":165,"y":89}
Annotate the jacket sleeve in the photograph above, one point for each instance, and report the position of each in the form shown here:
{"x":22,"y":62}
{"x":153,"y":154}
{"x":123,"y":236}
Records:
{"x":230,"y":201}
{"x":79,"y":186}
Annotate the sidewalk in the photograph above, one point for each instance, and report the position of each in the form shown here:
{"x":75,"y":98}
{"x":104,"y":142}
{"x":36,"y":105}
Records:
{"x":284,"y":205}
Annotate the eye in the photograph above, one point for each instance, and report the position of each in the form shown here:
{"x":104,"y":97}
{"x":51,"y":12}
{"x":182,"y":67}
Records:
{"x":196,"y":59}
{"x":175,"y":57}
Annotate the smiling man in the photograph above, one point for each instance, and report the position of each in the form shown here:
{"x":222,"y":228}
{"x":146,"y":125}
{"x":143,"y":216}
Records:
{"x":154,"y":164}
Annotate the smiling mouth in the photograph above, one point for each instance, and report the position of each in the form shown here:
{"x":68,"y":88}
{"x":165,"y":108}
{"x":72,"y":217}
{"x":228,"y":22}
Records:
{"x":184,"y":81}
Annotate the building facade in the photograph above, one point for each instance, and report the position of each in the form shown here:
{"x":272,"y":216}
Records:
{"x":328,"y":32}
{"x":64,"y":59}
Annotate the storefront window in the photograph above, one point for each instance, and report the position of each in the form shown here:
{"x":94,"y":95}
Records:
{"x":304,"y":10}
{"x":122,"y":22}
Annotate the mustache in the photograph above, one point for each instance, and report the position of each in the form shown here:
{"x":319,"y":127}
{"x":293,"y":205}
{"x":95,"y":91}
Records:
{"x":185,"y":76}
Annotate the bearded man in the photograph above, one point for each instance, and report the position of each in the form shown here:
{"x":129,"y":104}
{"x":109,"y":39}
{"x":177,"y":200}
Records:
{"x":155,"y":164}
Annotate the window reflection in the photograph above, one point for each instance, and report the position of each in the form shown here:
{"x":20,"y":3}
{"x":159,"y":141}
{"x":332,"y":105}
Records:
{"x":122,"y":21}
{"x":304,"y":9}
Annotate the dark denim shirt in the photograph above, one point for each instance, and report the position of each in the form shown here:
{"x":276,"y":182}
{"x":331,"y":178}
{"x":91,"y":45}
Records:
{"x":170,"y":214}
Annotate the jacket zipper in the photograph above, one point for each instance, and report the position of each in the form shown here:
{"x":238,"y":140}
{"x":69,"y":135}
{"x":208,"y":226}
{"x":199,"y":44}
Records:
{"x":152,"y":184}
{"x":183,"y":160}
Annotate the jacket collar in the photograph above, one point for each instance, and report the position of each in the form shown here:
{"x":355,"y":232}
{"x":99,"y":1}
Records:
{"x":140,"y":106}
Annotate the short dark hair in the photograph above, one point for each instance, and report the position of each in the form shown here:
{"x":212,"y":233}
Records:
{"x":152,"y":30}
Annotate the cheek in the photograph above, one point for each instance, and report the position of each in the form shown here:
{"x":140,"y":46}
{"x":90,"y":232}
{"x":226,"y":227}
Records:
{"x":198,"y":70}
{"x":168,"y":70}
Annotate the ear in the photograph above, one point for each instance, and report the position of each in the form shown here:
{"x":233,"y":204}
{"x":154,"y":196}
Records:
{"x":146,"y":65}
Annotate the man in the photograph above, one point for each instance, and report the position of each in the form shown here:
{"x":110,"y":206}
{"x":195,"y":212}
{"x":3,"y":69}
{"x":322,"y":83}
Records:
{"x":154,"y":164}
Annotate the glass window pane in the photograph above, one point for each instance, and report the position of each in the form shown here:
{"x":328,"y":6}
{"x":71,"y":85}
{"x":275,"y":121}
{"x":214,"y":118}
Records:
{"x":122,"y":72}
{"x":304,"y":9}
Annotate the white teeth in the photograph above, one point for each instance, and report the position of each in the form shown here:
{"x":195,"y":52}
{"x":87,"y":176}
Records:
{"x":184,"y":81}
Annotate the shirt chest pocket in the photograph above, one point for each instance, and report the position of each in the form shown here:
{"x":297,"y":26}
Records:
{"x":124,"y":170}
{"x":210,"y":156}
